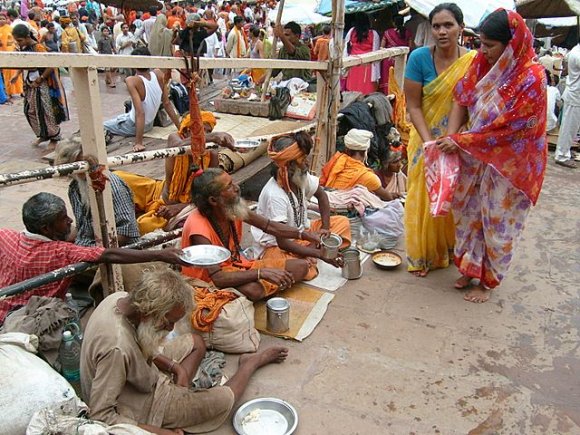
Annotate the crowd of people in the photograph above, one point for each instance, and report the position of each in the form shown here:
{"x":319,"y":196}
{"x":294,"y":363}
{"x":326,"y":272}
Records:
{"x":453,"y":98}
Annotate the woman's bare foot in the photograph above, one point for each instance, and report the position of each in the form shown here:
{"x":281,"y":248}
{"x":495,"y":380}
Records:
{"x":463,"y":282}
{"x":478,"y":295}
{"x":37,"y":142}
{"x":275,"y":354}
{"x":420,"y":273}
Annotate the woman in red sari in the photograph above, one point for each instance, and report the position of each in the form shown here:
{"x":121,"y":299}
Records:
{"x":398,"y":36}
{"x":503,"y":153}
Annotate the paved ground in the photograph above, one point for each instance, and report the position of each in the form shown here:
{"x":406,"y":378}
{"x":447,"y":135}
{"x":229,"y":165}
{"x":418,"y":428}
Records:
{"x":397,"y":354}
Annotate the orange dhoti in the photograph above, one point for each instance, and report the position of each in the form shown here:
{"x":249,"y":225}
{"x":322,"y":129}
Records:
{"x":272,"y":263}
{"x":338,"y":225}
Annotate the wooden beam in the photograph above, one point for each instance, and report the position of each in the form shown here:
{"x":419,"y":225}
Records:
{"x":86,"y":86}
{"x":322,"y":101}
{"x":374,"y":56}
{"x":54,"y":60}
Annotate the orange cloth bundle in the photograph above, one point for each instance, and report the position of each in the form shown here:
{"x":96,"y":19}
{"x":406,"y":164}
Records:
{"x":208,"y":307}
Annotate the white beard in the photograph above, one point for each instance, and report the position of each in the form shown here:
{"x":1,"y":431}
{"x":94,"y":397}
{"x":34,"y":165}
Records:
{"x":150,"y":338}
{"x":300,"y":178}
{"x":237,"y":210}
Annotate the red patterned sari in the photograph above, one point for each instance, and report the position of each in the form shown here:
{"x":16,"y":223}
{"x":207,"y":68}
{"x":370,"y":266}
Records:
{"x":503,"y":155}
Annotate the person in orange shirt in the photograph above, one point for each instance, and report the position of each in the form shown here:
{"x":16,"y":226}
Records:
{"x":12,"y":77}
{"x":321,"y":48}
{"x":346,"y":170}
{"x":173,"y":18}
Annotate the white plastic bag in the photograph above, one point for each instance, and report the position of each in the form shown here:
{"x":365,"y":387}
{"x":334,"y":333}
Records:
{"x":386,"y":221}
{"x":27,"y":383}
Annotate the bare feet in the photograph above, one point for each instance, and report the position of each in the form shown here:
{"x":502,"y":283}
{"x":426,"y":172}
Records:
{"x":420,"y":273}
{"x":37,"y":142}
{"x":275,"y":354}
{"x":463,"y":282}
{"x":137,"y":148}
{"x":478,"y":295}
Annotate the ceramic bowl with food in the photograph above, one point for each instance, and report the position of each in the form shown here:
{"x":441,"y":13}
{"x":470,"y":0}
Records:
{"x":387,"y":260}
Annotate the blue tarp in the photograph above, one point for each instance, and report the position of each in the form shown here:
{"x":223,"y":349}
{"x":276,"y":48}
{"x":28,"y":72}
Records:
{"x":351,"y":6}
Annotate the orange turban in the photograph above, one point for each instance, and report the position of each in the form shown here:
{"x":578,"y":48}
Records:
{"x":282,"y":159}
{"x":206,"y":118}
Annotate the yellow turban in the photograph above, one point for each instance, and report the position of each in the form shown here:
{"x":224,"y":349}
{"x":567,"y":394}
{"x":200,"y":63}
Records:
{"x":206,"y":118}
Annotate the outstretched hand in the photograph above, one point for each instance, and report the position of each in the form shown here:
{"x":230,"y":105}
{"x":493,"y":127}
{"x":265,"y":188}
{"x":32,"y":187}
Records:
{"x":172,"y":256}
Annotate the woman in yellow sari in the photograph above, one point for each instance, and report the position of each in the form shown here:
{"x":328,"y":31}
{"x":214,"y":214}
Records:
{"x":12,"y":77}
{"x":430,"y":78}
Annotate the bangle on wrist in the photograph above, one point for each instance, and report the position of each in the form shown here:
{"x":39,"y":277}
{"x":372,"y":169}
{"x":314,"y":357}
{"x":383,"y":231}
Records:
{"x":267,"y":225}
{"x":171,"y":366}
{"x":300,"y":234}
{"x":259,"y":274}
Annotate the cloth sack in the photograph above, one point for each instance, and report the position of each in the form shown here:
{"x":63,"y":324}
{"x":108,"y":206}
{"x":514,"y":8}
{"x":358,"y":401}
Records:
{"x":233,"y":331}
{"x":45,"y":318}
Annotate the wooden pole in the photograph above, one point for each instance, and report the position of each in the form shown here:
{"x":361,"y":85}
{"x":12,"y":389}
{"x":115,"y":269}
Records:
{"x":335,"y":66}
{"x":322,"y":100}
{"x":273,"y":52}
{"x":86,"y":86}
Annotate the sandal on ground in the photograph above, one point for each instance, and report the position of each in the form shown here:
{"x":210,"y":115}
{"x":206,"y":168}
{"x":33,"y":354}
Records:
{"x":566,"y":163}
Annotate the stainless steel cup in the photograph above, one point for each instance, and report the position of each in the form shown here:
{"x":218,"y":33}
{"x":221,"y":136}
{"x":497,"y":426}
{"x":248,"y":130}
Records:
{"x":352,"y":268}
{"x":330,"y":246}
{"x":278,"y":315}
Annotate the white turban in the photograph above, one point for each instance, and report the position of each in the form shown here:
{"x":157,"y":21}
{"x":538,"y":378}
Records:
{"x":358,"y":140}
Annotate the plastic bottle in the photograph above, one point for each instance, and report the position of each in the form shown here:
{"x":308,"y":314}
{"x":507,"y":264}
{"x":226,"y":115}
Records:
{"x":70,"y":359}
{"x":77,"y":319}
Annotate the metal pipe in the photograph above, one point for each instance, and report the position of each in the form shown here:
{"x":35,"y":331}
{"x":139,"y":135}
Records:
{"x":77,"y":268}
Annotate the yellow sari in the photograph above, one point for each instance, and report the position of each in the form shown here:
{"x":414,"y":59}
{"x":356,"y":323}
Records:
{"x":7,"y":44}
{"x":429,"y":240}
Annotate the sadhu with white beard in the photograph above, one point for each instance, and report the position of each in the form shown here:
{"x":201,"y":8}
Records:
{"x":127,"y":377}
{"x":218,"y":221}
{"x":284,"y":199}
{"x":70,"y":151}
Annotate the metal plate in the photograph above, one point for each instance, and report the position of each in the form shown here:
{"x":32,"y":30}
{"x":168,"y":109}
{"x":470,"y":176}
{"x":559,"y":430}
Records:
{"x":387,"y":260}
{"x":245,"y":146}
{"x":205,"y":255}
{"x":266,"y":416}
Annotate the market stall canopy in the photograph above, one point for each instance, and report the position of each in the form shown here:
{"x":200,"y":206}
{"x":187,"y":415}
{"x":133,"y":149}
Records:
{"x":548,"y":8}
{"x":352,"y":6}
{"x":138,"y":5}
{"x":299,"y":11}
{"x":474,"y":11}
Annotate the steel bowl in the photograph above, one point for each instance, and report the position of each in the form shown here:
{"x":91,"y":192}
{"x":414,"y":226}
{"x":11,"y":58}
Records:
{"x":205,"y":255}
{"x":266,"y":415}
{"x":387,"y":260}
{"x":246,"y":146}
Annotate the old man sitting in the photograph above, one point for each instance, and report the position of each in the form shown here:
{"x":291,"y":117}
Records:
{"x":218,"y":221}
{"x":285,"y":198}
{"x":127,"y":378}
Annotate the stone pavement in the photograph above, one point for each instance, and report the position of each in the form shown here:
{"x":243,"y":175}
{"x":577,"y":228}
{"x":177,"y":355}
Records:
{"x":397,"y":354}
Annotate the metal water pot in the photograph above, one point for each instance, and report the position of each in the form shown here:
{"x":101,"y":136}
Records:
{"x":352,"y":268}
{"x":278,"y":315}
